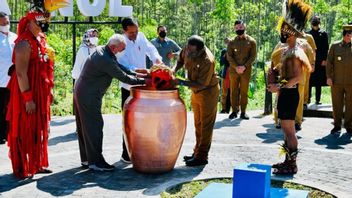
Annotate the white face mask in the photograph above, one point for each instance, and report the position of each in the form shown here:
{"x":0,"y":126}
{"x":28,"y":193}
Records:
{"x":5,"y":29}
{"x":94,"y":40}
{"x":119,"y":55}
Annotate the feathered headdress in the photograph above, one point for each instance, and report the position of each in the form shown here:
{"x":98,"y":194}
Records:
{"x":48,"y":5}
{"x":40,"y":11}
{"x":295,"y":15}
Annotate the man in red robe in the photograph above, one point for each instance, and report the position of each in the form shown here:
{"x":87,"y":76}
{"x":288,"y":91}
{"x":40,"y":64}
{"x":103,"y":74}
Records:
{"x":30,"y":94}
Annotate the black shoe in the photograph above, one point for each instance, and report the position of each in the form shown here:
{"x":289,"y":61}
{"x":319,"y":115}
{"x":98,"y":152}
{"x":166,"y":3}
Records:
{"x":84,"y":165}
{"x":2,"y":141}
{"x":305,"y":107}
{"x":318,"y":103}
{"x":298,"y":127}
{"x":278,"y":126}
{"x":126,"y":159}
{"x":233,"y":115}
{"x":101,"y":166}
{"x":188,"y":157}
{"x":223,"y":111}
{"x":336,"y":129}
{"x":349,"y":131}
{"x":44,"y":171}
{"x":244,"y":116}
{"x":196,"y":162}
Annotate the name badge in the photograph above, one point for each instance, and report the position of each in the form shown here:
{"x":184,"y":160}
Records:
{"x":339,"y":58}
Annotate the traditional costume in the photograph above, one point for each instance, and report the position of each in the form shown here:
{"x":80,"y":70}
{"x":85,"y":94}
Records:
{"x":28,"y":133}
{"x":295,"y":15}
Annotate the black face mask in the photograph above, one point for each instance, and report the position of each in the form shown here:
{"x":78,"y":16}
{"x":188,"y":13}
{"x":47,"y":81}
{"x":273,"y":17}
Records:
{"x":239,"y":32}
{"x":283,"y":38}
{"x":44,"y":26}
{"x":162,"y":34}
{"x":315,"y":23}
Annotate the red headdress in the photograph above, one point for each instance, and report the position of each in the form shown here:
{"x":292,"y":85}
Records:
{"x":162,"y":77}
{"x":40,"y":11}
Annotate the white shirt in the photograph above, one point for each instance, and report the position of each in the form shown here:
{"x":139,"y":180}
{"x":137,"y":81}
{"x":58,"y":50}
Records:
{"x":7,"y":43}
{"x":134,"y":55}
{"x":81,"y":57}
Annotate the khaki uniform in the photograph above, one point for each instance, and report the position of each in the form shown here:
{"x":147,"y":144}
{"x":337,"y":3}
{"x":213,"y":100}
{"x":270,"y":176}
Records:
{"x":339,"y":69}
{"x":240,"y":52}
{"x":201,"y":70}
{"x":312,"y":58}
{"x":304,"y":84}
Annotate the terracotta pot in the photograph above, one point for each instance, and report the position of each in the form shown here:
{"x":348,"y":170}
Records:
{"x":154,"y":128}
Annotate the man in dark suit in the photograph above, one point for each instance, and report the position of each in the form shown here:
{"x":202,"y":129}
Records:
{"x":99,"y":70}
{"x":318,"y":77}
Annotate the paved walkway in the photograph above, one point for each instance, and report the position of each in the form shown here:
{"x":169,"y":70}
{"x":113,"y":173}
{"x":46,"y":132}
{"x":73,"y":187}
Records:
{"x":325,"y":161}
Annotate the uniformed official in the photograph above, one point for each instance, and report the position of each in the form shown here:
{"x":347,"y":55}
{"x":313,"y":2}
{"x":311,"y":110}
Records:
{"x":199,"y":62}
{"x":308,"y":46}
{"x":241,"y":54}
{"x":338,"y":73}
{"x":313,"y":45}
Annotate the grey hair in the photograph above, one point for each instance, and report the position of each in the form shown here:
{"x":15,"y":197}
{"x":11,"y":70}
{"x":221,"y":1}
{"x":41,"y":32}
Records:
{"x":116,"y":39}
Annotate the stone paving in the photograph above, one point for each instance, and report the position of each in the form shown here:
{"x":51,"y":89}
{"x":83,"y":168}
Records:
{"x":325,"y":161}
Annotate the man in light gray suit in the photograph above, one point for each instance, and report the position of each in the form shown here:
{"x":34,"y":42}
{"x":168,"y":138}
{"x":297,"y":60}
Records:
{"x":99,"y":70}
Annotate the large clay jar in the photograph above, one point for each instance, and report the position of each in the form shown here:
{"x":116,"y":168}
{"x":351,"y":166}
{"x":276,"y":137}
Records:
{"x":154,"y":128}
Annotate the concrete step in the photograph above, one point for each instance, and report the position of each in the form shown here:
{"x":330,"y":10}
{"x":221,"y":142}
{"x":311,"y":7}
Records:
{"x":319,"y":111}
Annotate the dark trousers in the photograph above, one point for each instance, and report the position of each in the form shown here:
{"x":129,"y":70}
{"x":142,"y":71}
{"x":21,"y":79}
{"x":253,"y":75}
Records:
{"x":92,"y":123}
{"x":81,"y":142}
{"x":317,"y":93}
{"x":4,"y":96}
{"x":124,"y":95}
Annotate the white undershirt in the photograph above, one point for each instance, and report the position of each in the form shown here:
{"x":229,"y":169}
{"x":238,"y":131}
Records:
{"x":134,"y":55}
{"x":7,"y":44}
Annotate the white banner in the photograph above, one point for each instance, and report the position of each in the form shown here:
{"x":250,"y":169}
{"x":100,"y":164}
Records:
{"x":4,"y":7}
{"x":117,"y":9}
